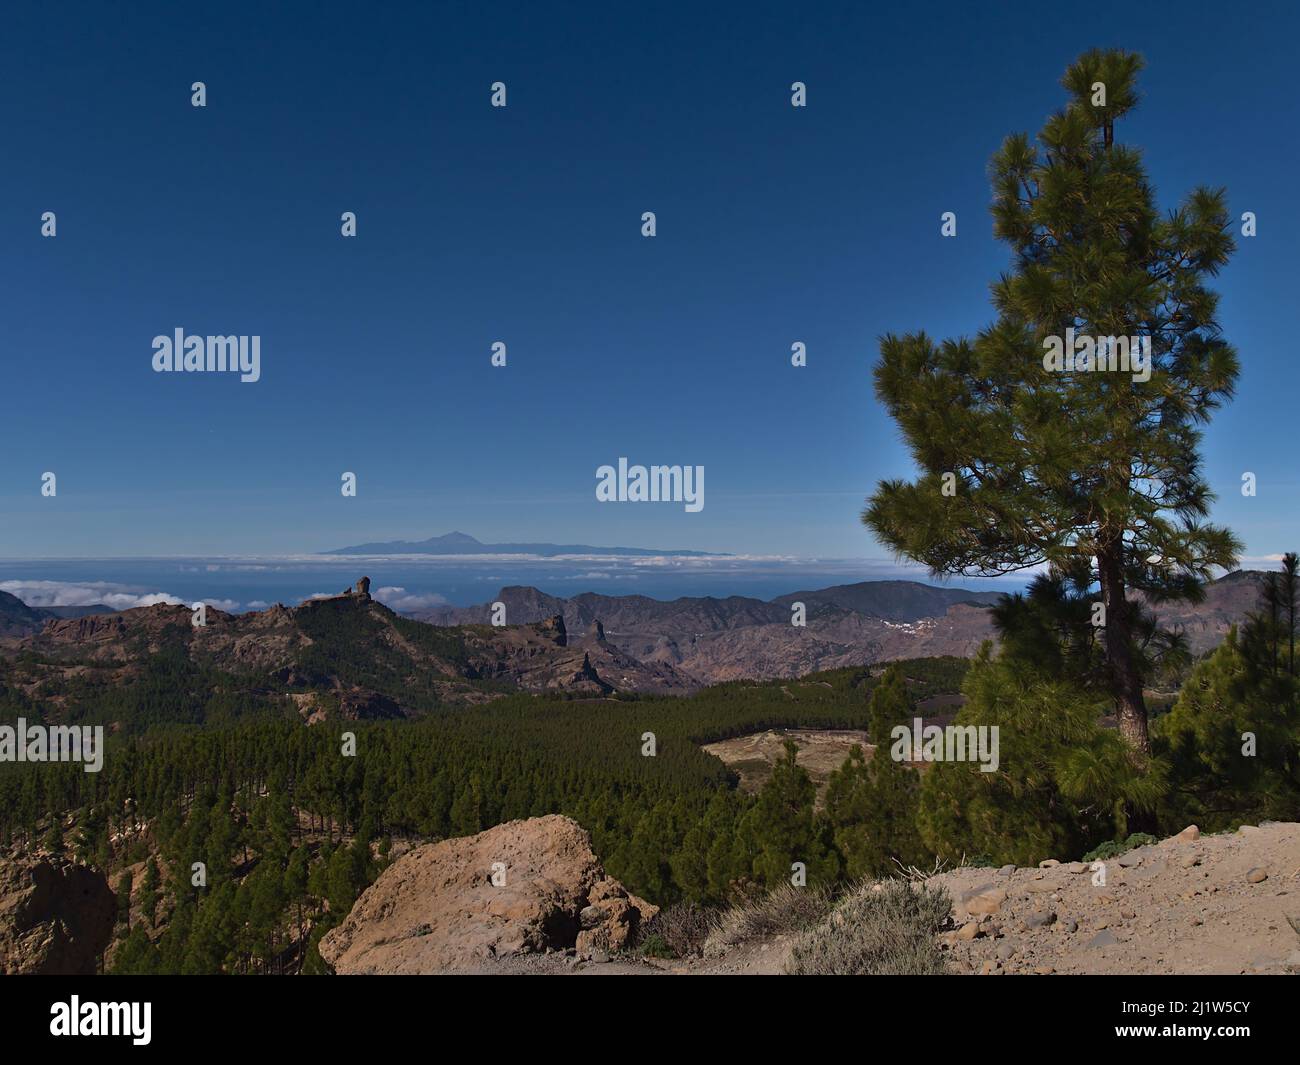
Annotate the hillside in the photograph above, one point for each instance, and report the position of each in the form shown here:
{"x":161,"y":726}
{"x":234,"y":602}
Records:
{"x":347,"y":655}
{"x":711,"y":640}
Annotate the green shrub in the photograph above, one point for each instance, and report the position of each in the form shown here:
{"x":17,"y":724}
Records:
{"x":1115,"y":847}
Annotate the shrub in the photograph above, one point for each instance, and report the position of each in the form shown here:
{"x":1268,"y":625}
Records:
{"x":1115,"y":847}
{"x":785,"y":910}
{"x":678,"y":931}
{"x":885,"y":929}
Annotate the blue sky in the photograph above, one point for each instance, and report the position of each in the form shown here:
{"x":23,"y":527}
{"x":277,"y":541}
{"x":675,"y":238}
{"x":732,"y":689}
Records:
{"x":522,"y":225}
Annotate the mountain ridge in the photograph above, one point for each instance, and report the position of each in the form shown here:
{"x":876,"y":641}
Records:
{"x":459,"y":543}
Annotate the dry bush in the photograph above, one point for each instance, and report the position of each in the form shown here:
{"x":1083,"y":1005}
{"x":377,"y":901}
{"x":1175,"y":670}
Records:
{"x":785,"y":910}
{"x":683,"y":928}
{"x":885,"y":929}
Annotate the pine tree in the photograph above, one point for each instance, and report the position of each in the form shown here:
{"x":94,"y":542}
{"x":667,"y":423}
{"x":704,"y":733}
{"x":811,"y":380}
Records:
{"x":149,"y":892}
{"x":785,"y":827}
{"x":124,"y":899}
{"x":1024,"y":461}
{"x":871,"y":806}
{"x":1064,"y":783}
{"x":1230,"y":739}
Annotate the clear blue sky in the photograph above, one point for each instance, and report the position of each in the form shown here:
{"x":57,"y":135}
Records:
{"x":523,"y":225}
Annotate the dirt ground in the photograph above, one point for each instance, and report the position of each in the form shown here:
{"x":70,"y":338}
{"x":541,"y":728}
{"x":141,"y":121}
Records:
{"x":821,"y":752}
{"x":1190,"y":904}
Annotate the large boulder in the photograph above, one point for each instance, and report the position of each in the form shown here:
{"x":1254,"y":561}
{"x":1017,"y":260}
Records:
{"x":518,"y":888}
{"x":56,"y":917}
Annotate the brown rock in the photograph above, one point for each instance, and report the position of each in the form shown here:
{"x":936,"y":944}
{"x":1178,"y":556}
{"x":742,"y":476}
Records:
{"x":56,"y":917}
{"x":437,"y":908}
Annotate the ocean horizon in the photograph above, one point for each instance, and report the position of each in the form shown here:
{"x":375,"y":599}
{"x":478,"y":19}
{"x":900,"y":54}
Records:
{"x":419,"y":582}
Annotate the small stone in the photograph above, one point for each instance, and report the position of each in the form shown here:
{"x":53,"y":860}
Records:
{"x":1007,"y":870}
{"x":1129,"y":861}
{"x":1078,"y":867}
{"x":990,"y":968}
{"x":1070,"y":926}
{"x":1188,"y":835}
{"x":1048,"y":863}
{"x":1128,"y":915}
{"x":1191,"y":861}
{"x":599,"y":957}
{"x":986,"y":902}
{"x":1257,"y":876}
{"x":1102,"y":939}
{"x":968,"y":931}
{"x":1007,"y":951}
{"x":1041,"y":919}
{"x":1248,"y":830}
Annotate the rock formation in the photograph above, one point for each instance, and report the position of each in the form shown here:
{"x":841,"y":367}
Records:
{"x":56,"y":918}
{"x":519,"y":888}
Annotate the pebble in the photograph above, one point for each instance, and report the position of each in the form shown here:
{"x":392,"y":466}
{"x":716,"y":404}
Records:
{"x":1257,"y":876}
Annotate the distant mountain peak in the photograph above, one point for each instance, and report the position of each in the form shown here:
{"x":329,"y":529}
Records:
{"x":459,"y":543}
{"x":453,"y":538}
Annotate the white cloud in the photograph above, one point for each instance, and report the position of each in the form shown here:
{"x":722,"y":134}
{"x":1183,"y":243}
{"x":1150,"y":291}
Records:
{"x":85,"y":593}
{"x":399,"y":599}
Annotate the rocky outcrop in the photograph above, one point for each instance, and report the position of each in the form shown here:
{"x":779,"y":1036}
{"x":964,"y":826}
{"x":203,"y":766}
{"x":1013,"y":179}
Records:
{"x":553,"y":628}
{"x":519,"y":888}
{"x":56,"y":918}
{"x":588,"y":680}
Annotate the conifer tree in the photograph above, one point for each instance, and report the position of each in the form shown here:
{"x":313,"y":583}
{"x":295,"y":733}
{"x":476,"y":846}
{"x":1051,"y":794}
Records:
{"x":1026,"y":459}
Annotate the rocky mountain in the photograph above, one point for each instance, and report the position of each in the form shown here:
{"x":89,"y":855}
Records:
{"x":711,"y":640}
{"x":56,"y":917}
{"x":346,"y":656}
{"x":716,"y":639}
{"x":19,"y":619}
{"x":524,"y":887}
{"x":459,"y":543}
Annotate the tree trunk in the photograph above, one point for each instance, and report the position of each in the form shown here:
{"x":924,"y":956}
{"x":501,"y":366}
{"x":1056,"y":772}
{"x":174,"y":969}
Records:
{"x":1126,"y":681}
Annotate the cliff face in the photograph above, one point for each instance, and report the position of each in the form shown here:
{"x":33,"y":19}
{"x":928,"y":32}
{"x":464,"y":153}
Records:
{"x":56,"y":918}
